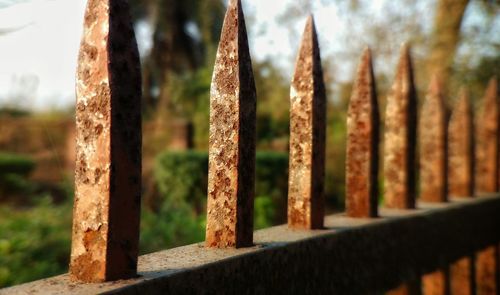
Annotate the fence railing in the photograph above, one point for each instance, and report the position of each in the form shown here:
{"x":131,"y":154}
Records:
{"x":448,"y":245}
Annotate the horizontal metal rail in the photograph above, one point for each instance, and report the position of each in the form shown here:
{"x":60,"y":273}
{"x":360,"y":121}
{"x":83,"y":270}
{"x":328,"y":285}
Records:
{"x":350,"y":256}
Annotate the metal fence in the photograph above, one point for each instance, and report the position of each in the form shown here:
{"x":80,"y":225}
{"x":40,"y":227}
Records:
{"x":447,"y":243}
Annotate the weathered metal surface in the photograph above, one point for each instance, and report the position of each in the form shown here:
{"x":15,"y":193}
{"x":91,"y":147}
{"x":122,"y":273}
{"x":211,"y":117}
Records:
{"x":231,"y":173}
{"x":487,"y":180}
{"x":462,"y":277}
{"x":307,"y":136}
{"x":436,"y":283}
{"x":400,"y":137}
{"x":461,"y":149}
{"x":362,"y":143}
{"x":487,"y":142}
{"x":432,"y":135}
{"x":461,"y":179}
{"x":487,"y":267}
{"x":380,"y":252}
{"x":433,"y":167}
{"x":108,"y":144}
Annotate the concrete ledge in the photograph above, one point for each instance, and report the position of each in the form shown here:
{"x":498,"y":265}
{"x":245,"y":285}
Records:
{"x":351,"y":256}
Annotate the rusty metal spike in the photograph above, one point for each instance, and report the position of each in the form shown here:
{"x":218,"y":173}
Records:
{"x":487,"y":152}
{"x":307,"y":136}
{"x":400,"y":137}
{"x":108,"y":144}
{"x":231,"y":176}
{"x":461,"y":149}
{"x":461,"y":274}
{"x":487,"y":142}
{"x":362,"y":143}
{"x":433,"y":140}
{"x":487,"y":268}
{"x":461,"y":178}
{"x":433,"y":168}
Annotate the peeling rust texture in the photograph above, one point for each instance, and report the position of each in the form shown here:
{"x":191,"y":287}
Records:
{"x":382,"y":253}
{"x":462,"y":277}
{"x":487,"y":271}
{"x":400,"y":137}
{"x":231,"y":174}
{"x":487,"y":142}
{"x":436,"y":283}
{"x":307,"y":136}
{"x":432,"y":135}
{"x":362,"y":143}
{"x":461,"y":149}
{"x":108,"y":146}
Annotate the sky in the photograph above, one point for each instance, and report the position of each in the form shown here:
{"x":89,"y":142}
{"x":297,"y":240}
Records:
{"x":39,"y":41}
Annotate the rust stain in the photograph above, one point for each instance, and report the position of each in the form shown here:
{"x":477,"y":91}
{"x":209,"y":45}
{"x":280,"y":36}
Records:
{"x":400,"y":136}
{"x":108,"y":143}
{"x":362,"y":143}
{"x":231,"y":174}
{"x":461,"y":149}
{"x":307,"y":136}
{"x":433,"y":149}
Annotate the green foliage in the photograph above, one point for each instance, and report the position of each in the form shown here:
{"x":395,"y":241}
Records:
{"x":15,"y":164}
{"x":13,"y":172}
{"x":175,"y":224}
{"x":34,"y":243}
{"x":182,"y":179}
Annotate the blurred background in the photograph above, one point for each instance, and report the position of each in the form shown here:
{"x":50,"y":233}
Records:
{"x":39,"y":40}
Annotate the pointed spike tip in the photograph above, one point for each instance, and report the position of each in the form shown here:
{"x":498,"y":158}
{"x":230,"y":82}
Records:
{"x":234,"y":3}
{"x":367,"y":53}
{"x":435,"y":85}
{"x":463,"y":93}
{"x":492,"y":88}
{"x":404,"y":52}
{"x":364,"y":67}
{"x":310,"y":25}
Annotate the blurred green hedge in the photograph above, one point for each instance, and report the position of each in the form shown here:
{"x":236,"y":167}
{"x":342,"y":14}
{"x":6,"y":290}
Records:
{"x":34,"y":243}
{"x":182,"y":177}
{"x":14,"y":170}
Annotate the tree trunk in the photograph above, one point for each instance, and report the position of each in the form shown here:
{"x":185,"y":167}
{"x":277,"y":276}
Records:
{"x":445,"y":37}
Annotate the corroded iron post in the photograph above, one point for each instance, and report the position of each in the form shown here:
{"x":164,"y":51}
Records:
{"x":362,"y":143}
{"x":108,"y":145}
{"x":461,"y":149}
{"x":461,"y":179}
{"x":231,"y":172}
{"x":307,"y":136}
{"x":432,"y":135}
{"x":401,"y":137}
{"x":487,"y":142}
{"x":487,"y":264}
{"x":433,"y":168}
